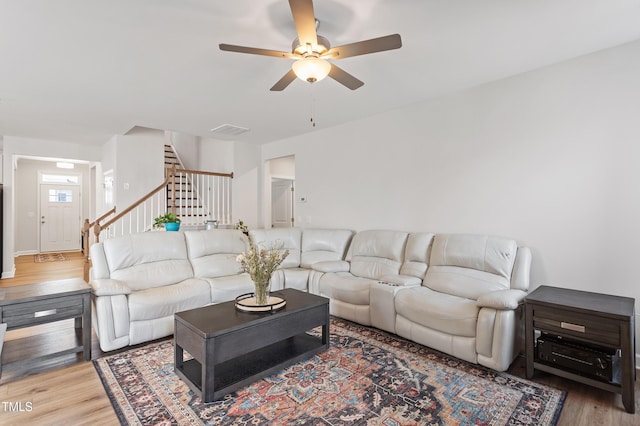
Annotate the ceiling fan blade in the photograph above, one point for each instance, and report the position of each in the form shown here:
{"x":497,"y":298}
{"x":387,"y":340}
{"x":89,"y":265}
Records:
{"x":305,"y":20}
{"x":373,"y":45}
{"x":256,"y":51}
{"x":344,"y":78}
{"x":284,"y":81}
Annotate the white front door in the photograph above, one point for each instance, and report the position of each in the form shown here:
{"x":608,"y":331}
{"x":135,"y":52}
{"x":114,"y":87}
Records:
{"x":282,"y":203}
{"x":59,"y":217}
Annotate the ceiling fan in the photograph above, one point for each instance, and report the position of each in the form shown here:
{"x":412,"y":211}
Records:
{"x":311,"y":51}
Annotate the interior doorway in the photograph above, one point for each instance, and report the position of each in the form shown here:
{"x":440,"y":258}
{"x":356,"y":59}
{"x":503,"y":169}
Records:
{"x":279,"y":187}
{"x":282,"y":191}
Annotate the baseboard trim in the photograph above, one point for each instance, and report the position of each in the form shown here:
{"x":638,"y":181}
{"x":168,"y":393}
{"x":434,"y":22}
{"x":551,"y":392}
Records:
{"x":25,"y":253}
{"x":11,"y":274}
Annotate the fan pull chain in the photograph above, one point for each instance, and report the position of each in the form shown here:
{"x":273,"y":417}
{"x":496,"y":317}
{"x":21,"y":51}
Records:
{"x":313,"y":105}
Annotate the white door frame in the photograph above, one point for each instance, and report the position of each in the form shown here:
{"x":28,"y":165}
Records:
{"x":78,"y":186}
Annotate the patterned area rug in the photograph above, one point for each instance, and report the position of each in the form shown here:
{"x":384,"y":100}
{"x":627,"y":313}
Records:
{"x":367,"y":377}
{"x":49,"y":257}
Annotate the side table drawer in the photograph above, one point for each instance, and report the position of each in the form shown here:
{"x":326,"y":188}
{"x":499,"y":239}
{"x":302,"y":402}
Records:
{"x":582,"y":326}
{"x":32,"y":313}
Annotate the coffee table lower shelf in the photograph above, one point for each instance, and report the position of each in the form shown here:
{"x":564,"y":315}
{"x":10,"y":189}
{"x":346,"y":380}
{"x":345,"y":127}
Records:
{"x":238,"y":372}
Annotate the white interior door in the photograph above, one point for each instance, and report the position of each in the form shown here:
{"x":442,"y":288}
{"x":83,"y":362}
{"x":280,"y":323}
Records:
{"x":59,"y":217}
{"x":282,"y":203}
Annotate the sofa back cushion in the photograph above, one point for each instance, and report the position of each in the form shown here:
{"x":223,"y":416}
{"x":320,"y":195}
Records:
{"x":286,"y":238}
{"x":213,"y":253}
{"x":374,"y":254}
{"x":416,"y":254}
{"x":319,"y":245}
{"x":469,"y":265}
{"x":148,"y":259}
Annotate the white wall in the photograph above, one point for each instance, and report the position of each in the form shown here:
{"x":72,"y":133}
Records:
{"x":550,"y":158}
{"x":139,"y":165}
{"x":217,"y":156}
{"x":187,"y":147}
{"x":246,"y":184}
{"x":284,"y":167}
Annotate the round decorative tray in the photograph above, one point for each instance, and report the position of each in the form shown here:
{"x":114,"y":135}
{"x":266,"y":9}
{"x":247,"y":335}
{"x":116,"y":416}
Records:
{"x":247,"y":303}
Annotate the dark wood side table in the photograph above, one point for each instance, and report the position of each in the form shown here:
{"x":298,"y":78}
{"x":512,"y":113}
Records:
{"x":232,"y":349}
{"x":28,"y":305}
{"x":590,"y":319}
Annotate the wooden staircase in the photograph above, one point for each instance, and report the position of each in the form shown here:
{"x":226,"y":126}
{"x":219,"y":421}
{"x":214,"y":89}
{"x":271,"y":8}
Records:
{"x":199,"y":196}
{"x":182,"y":194}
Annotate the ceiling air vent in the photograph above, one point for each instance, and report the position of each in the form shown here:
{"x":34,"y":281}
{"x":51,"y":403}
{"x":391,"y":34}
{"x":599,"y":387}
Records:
{"x":228,"y":131}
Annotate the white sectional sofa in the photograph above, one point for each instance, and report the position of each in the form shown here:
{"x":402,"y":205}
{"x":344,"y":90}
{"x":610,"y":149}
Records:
{"x":460,"y":294}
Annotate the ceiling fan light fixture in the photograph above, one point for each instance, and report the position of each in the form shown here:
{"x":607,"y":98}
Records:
{"x":311,"y":69}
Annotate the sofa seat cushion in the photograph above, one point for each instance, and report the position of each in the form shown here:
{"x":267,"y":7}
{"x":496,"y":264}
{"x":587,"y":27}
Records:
{"x":160,"y":302}
{"x":224,"y":289}
{"x":443,"y":312}
{"x":346,"y":287}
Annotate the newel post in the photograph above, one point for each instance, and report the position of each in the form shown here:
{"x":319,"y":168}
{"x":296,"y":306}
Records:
{"x":86,"y":226}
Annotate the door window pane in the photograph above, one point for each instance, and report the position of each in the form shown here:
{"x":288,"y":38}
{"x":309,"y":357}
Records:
{"x":60,"y":196}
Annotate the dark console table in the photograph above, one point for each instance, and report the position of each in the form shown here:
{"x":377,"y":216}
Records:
{"x":231,"y":349}
{"x":34,"y":304}
{"x":583,"y":320}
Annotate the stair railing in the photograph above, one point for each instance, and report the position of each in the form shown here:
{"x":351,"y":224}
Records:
{"x":210,"y":200}
{"x":87,"y":240}
{"x":195,"y":205}
{"x":139,"y":217}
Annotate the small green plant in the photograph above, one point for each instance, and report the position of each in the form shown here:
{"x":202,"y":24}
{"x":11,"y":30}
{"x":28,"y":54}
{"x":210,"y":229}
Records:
{"x":159,"y":221}
{"x":242,"y":226}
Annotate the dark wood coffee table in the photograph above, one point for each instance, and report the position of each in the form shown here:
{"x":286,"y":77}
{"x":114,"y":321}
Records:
{"x":232,"y":349}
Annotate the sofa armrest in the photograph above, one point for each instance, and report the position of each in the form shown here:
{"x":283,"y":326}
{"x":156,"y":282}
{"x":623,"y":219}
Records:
{"x":109,"y":287}
{"x":501,"y":299}
{"x":401,"y":280}
{"x":521,"y":269}
{"x":331,"y":266}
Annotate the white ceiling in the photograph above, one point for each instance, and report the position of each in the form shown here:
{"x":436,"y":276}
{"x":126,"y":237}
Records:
{"x":84,"y":70}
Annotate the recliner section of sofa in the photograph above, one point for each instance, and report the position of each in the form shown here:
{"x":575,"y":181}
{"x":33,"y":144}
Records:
{"x":139,"y":281}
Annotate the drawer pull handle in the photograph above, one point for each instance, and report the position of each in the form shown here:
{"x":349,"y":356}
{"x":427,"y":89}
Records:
{"x":572,"y":327}
{"x":45,"y":313}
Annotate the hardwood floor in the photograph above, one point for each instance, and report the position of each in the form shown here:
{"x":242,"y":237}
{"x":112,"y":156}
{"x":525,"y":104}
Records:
{"x":65,"y":390}
{"x":28,"y":271}
{"x":68,"y":391}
